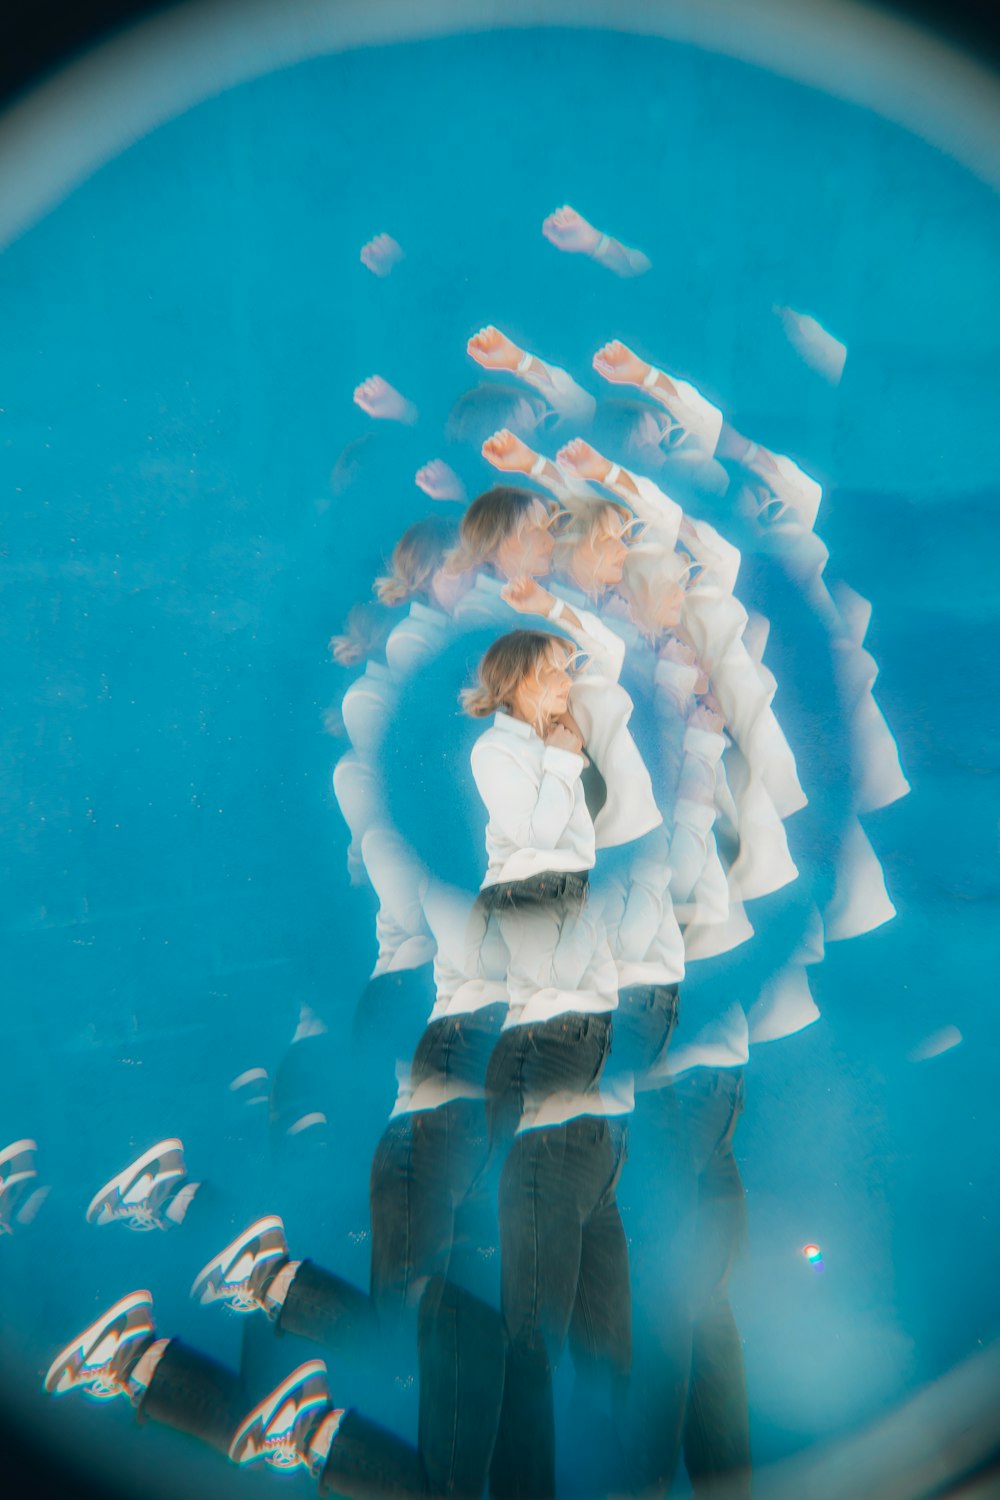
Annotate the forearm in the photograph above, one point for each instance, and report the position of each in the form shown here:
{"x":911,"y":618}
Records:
{"x":605,"y":648}
{"x":660,"y":387}
{"x":557,"y":386}
{"x":620,"y":258}
{"x":651,"y":505}
{"x":562,"y":486}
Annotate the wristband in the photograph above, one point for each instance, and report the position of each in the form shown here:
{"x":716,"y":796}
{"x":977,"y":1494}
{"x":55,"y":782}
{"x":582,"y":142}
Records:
{"x":557,"y":610}
{"x":650,"y":378}
{"x":602,"y":245}
{"x":538,"y":467}
{"x":612,"y":477}
{"x":523,"y":363}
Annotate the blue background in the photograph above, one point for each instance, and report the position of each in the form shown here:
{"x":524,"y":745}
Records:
{"x":181,"y":340}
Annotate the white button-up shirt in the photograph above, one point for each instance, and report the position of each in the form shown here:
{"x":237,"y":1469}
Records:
{"x":538,"y":818}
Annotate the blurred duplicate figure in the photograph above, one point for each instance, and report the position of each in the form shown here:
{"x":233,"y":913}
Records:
{"x":558,"y":773}
{"x":494,"y":351}
{"x":569,"y":231}
{"x":676,"y":586}
{"x":21,"y":1193}
{"x":296,"y":1424}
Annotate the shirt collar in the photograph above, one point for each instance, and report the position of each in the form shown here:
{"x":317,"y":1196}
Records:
{"x":511,"y":725}
{"x":429,"y":612}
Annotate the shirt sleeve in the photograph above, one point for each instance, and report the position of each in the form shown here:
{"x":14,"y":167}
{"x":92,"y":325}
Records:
{"x":655,"y":508}
{"x":559,"y":388}
{"x":719,"y":559}
{"x":697,"y":414}
{"x":530,"y":813}
{"x":605,"y":647}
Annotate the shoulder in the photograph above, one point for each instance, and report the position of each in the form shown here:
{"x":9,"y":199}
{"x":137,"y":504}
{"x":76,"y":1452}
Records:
{"x":497,"y":750}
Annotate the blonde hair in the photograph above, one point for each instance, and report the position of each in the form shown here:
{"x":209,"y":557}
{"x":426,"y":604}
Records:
{"x":365,"y":632}
{"x":507,"y":663}
{"x":416,"y":557}
{"x":492,"y":517}
{"x":650,"y":571}
{"x":650,"y":564}
{"x":586,"y":521}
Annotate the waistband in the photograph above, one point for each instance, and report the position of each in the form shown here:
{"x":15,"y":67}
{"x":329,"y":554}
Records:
{"x":550,"y":885}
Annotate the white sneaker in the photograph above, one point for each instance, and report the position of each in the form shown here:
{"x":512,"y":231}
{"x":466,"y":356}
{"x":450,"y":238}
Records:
{"x":138,"y":1196}
{"x":98,"y":1361}
{"x":252,"y":1086}
{"x":240,"y":1273}
{"x":277,"y":1432}
{"x":18,"y":1184}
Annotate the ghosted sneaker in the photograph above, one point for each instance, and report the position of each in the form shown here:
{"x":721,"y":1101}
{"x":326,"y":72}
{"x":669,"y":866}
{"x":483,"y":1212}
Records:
{"x":99,"y":1359}
{"x":251,"y":1087}
{"x":279,"y":1431}
{"x":240,"y":1274}
{"x":20,"y":1195}
{"x":142,"y":1196}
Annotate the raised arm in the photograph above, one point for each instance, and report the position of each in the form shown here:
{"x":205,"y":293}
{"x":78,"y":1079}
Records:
{"x":692,"y":411}
{"x":570,"y":231}
{"x":650,"y":504}
{"x":495,"y":351}
{"x":604,"y":647}
{"x":619,"y":365}
{"x":718,"y":559}
{"x":510,"y":455}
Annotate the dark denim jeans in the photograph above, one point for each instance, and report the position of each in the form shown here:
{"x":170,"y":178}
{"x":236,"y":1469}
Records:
{"x":530,"y":1062}
{"x":687,"y":1223}
{"x":643,"y":1024}
{"x":459,"y":1047}
{"x":194,"y":1394}
{"x":428,"y":1178}
{"x":461,"y":1349}
{"x":427,"y":1190}
{"x":565,"y":1277}
{"x":566,"y":886}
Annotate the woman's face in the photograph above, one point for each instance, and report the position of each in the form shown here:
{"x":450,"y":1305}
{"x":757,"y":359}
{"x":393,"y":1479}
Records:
{"x":543,"y":694}
{"x":527,"y":552}
{"x":599,"y":560}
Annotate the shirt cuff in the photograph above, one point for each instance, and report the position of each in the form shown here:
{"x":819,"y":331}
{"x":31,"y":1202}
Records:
{"x":706,"y":744}
{"x":565,"y":764}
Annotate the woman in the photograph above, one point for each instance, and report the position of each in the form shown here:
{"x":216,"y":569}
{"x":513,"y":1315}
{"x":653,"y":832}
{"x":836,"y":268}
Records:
{"x":416,"y":574}
{"x":712,"y":622}
{"x":506,"y":530}
{"x":559,"y":775}
{"x":592,"y":546}
{"x":417,"y":567}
